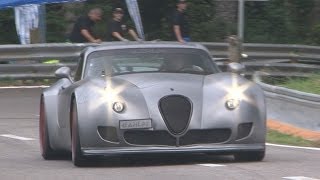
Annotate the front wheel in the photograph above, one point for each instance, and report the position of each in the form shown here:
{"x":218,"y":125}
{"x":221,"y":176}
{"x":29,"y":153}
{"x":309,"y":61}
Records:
{"x":77,"y":158}
{"x":46,"y":151}
{"x":250,"y":156}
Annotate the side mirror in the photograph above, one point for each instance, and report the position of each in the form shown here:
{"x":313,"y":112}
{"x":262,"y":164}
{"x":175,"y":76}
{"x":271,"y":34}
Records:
{"x":236,"y":68}
{"x":63,"y":72}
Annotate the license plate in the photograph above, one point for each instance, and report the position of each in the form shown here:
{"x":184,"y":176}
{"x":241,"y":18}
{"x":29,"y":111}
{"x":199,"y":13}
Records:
{"x":135,"y":124}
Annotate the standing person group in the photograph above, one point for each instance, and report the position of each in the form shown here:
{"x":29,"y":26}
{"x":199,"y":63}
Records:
{"x":83,"y":29}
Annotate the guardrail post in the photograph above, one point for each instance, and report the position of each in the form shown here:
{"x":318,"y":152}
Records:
{"x":234,"y":50}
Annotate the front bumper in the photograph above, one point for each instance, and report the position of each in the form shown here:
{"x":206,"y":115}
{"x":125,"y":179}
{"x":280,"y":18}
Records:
{"x":218,"y":149}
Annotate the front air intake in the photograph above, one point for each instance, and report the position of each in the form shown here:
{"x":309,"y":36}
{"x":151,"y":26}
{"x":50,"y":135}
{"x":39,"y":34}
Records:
{"x":176,"y":111}
{"x":244,"y":130}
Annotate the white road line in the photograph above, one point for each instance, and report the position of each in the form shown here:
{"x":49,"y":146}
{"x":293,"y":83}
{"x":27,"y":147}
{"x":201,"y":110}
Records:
{"x":17,"y":137}
{"x":211,"y":165}
{"x":294,"y":147}
{"x":22,"y":87}
{"x":299,"y":178}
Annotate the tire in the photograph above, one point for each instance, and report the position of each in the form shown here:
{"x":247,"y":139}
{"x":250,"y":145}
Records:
{"x":250,"y":156}
{"x":77,"y":158}
{"x":46,"y":151}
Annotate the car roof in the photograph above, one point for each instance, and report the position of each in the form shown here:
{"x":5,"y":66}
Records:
{"x":143,"y":44}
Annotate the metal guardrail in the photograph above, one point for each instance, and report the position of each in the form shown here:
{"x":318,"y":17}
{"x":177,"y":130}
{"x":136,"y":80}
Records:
{"x":66,"y":51}
{"x":40,"y":52}
{"x":25,"y":60}
{"x":270,"y":51}
{"x":290,"y":106}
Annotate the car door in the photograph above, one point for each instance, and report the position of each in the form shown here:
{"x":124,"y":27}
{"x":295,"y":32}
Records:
{"x":64,"y":96}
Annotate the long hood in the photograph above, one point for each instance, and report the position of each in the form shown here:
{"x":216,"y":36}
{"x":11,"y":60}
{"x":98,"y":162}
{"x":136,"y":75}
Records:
{"x":169,"y":94}
{"x":200,"y":99}
{"x":168,"y":80}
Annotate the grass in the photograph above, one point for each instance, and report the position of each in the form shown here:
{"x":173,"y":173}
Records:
{"x":279,"y":138}
{"x":309,"y":85}
{"x":26,"y":82}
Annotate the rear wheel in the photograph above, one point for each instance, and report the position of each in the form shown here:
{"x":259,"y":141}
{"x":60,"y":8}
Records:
{"x":46,"y":151}
{"x":77,"y":158}
{"x":250,"y":156}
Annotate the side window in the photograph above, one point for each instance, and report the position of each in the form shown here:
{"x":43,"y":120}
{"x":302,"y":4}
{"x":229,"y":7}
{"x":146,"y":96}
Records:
{"x":78,"y":74}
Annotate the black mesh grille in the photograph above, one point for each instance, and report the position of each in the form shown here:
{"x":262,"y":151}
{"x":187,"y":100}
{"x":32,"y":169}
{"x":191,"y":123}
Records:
{"x":140,"y":137}
{"x":176,"y":112}
{"x":206,"y":136}
{"x":244,"y":130}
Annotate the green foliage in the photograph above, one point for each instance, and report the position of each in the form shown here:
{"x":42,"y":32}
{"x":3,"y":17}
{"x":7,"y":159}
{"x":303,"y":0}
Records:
{"x":55,"y":23}
{"x":314,"y":35}
{"x":204,"y":25}
{"x":310,"y":85}
{"x":273,"y":21}
{"x":7,"y":27}
{"x":215,"y":30}
{"x":201,"y":16}
{"x":278,"y":21}
{"x":280,"y":138}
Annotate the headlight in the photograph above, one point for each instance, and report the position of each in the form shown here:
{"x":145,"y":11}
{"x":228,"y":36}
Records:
{"x":232,"y":104}
{"x":118,"y":107}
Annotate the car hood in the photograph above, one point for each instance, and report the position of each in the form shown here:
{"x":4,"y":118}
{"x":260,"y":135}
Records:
{"x":207,"y":93}
{"x":142,"y":94}
{"x":158,"y":80}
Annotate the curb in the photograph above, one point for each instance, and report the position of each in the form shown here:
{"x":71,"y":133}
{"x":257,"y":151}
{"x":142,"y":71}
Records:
{"x":293,"y":130}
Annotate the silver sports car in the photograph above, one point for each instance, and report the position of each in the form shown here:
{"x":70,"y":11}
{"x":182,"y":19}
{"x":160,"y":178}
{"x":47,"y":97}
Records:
{"x":155,"y":97}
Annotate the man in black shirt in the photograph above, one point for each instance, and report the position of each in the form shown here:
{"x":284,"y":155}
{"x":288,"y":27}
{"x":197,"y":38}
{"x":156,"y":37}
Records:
{"x":117,"y":29}
{"x":180,"y":25}
{"x":82,"y":31}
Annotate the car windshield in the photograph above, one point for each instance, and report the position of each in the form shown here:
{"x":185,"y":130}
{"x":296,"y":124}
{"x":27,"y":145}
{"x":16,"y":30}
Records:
{"x":147,"y":60}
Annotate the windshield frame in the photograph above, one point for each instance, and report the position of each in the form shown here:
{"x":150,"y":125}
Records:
{"x":212,"y":66}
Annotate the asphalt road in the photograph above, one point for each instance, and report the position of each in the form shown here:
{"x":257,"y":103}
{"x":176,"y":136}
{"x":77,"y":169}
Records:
{"x":20,"y":155}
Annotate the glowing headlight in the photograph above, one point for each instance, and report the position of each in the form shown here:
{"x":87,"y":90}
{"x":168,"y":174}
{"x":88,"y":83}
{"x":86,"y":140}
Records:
{"x":118,"y":107}
{"x":232,"y":104}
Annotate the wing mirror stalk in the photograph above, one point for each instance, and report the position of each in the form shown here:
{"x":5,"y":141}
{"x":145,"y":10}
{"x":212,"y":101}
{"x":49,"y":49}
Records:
{"x":64,"y":72}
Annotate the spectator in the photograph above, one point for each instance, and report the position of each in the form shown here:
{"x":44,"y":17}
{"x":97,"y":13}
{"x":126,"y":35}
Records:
{"x":180,"y":25}
{"x":117,"y":29}
{"x":82,"y":31}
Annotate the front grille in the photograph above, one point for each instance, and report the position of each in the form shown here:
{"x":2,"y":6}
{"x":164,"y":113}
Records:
{"x":206,"y":136}
{"x":143,"y":137}
{"x":244,"y":130}
{"x":176,"y":111}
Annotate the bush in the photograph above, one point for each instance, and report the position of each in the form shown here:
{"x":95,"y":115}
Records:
{"x":273,"y":21}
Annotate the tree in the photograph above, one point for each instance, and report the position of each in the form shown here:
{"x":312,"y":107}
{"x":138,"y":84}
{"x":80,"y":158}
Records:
{"x":278,"y":21}
{"x":273,"y":21}
{"x":7,"y":27}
